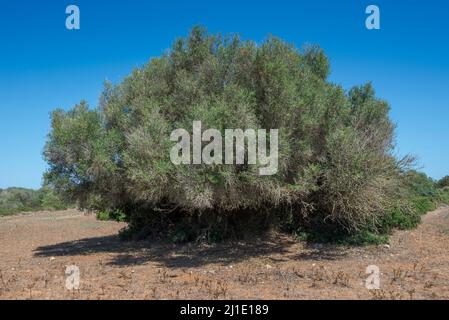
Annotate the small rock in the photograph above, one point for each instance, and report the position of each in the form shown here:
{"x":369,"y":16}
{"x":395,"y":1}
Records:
{"x":52,"y":258}
{"x":268,"y":267}
{"x":386,"y":246}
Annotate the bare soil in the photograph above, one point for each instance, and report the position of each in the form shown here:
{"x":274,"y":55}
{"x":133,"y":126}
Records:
{"x":36,"y":248}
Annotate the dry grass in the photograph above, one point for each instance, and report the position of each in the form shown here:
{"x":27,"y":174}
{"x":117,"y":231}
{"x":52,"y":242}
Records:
{"x":35,"y":251}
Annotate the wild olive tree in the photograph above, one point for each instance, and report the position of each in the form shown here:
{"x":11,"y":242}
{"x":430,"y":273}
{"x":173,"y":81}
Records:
{"x":335,"y":147}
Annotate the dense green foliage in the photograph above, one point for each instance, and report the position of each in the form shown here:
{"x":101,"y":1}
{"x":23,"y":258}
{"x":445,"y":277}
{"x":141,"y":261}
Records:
{"x":336,"y":168}
{"x":417,"y":194}
{"x":115,"y":215}
{"x":14,"y":200}
{"x":444,"y":182}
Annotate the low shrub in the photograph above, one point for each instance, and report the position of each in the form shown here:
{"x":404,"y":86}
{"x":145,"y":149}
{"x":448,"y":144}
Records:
{"x":400,"y":218}
{"x":330,"y":234}
{"x":113,"y":215}
{"x":443,"y":182}
{"x":336,"y":165}
{"x":425,"y":204}
{"x":443,"y":196}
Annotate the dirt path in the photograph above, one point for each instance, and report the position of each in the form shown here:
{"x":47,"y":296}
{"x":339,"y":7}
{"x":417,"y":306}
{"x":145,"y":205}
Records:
{"x":35,"y":250}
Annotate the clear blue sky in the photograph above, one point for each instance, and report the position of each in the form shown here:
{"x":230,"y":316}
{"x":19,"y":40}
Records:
{"x":44,"y":66}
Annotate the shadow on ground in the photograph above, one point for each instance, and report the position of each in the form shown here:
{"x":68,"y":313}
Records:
{"x":190,"y":255}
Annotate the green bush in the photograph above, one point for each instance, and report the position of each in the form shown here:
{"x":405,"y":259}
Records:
{"x":416,"y":197}
{"x":400,"y":218}
{"x":419,"y":195}
{"x":424,"y":205}
{"x":443,"y":195}
{"x":365,"y":237}
{"x":419,"y":184}
{"x":50,"y":200}
{"x":115,"y":215}
{"x":103,"y":216}
{"x":335,"y":147}
{"x":326,"y":233}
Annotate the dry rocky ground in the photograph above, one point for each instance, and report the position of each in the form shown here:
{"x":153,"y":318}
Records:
{"x":36,"y":248}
